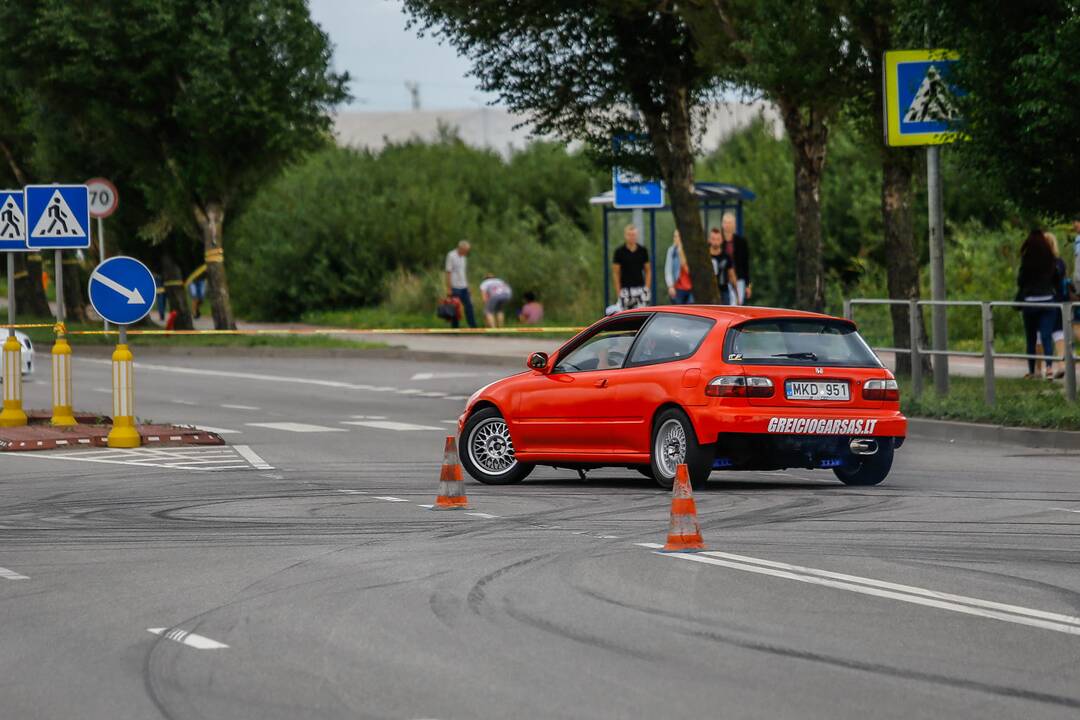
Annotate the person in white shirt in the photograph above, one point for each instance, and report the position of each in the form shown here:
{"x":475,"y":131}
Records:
{"x":496,"y":294}
{"x":457,"y":283}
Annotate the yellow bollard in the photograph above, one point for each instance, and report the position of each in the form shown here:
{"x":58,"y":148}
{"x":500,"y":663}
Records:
{"x":123,"y":433}
{"x":12,"y":414}
{"x":61,"y":377}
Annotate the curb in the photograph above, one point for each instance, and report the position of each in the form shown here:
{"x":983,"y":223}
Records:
{"x":993,"y":434}
{"x":388,"y":353}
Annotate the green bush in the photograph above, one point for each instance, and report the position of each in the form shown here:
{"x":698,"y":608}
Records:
{"x":348,"y":228}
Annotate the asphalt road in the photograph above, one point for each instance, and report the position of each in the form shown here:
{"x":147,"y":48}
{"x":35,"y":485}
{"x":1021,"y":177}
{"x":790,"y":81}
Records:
{"x":296,"y":575}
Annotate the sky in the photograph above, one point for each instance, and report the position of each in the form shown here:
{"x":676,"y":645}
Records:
{"x":372,"y":43}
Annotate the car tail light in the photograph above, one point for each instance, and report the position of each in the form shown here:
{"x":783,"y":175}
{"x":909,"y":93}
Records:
{"x":880,"y":390}
{"x":739,"y":386}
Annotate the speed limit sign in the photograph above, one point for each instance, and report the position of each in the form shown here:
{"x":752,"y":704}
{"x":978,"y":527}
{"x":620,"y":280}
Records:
{"x":103,"y":197}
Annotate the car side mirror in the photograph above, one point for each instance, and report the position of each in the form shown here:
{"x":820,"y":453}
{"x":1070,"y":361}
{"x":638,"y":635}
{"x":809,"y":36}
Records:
{"x":537,"y":361}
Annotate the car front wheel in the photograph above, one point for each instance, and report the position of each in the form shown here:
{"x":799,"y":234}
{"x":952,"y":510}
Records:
{"x":487,"y":450}
{"x":674,"y":442}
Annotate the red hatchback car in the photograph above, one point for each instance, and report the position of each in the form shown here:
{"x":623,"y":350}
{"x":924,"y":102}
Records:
{"x":715,"y":387}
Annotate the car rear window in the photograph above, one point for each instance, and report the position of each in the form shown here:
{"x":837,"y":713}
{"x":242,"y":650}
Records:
{"x":669,"y":337}
{"x":799,"y":341}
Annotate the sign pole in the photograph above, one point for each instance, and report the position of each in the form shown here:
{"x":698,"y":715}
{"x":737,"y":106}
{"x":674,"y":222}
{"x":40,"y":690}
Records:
{"x":937,"y":266}
{"x":101,"y":250}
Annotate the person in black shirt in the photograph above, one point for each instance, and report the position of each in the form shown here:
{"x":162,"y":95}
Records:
{"x":738,"y":250}
{"x":723,"y":267}
{"x":632,"y":271}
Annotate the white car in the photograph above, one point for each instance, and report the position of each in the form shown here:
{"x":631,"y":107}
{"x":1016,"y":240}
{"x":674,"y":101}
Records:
{"x":27,"y":351}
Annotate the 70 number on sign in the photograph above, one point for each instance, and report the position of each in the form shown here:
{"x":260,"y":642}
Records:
{"x":103,"y":197}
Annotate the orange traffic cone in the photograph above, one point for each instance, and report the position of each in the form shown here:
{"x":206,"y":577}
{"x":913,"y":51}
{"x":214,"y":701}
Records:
{"x":685,"y":533}
{"x":451,"y":482}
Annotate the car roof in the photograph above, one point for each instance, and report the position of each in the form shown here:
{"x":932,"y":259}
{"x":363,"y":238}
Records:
{"x":732,"y":313}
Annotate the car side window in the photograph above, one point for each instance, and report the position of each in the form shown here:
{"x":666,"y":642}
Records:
{"x":606,"y":349}
{"x":670,"y":337}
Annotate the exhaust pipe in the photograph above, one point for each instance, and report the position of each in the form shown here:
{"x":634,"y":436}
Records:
{"x":863,"y":446}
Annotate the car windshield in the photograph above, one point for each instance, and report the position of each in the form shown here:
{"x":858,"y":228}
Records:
{"x":799,"y":341}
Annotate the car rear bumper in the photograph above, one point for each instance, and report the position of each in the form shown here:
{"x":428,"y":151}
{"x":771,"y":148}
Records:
{"x":711,"y":422}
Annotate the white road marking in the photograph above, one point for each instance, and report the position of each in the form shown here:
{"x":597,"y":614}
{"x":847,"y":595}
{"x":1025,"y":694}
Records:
{"x":353,"y":492}
{"x":369,"y":417}
{"x":296,"y":427}
{"x":219,"y":431}
{"x":275,"y":379}
{"x":12,"y":575}
{"x":426,"y":506}
{"x":252,"y":457}
{"x":103,"y":390}
{"x":1067,"y":624}
{"x":443,"y":375}
{"x":241,"y":407}
{"x":190,"y":639}
{"x":195,"y":458}
{"x":389,"y":498}
{"x":390,"y":425}
{"x":1066,"y":510}
{"x":482,"y":515}
{"x":433,"y":394}
{"x":449,"y":422}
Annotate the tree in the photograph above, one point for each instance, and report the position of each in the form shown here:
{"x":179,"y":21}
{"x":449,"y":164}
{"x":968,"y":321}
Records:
{"x":591,"y":72}
{"x":799,"y":55}
{"x":203,"y":99}
{"x":878,"y":27}
{"x":1019,"y":70}
{"x":16,"y":151}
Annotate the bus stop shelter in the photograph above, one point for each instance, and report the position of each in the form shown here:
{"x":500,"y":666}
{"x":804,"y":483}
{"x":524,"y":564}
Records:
{"x":714,"y":200}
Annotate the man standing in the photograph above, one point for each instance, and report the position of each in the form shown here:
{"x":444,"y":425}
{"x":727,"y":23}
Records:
{"x":738,"y":250}
{"x":457,"y":284}
{"x":632,"y":271}
{"x":723,"y":267}
{"x":677,"y":272}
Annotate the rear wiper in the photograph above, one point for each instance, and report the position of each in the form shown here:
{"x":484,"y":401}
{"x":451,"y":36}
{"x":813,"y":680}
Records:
{"x":797,"y":355}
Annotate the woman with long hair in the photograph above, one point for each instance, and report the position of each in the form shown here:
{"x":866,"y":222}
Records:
{"x":1036,"y":284}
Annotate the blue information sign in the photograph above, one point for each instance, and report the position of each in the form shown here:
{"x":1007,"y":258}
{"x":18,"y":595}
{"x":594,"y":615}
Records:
{"x":633,"y":192}
{"x":57,"y":217}
{"x":122,"y":290}
{"x":12,"y":222}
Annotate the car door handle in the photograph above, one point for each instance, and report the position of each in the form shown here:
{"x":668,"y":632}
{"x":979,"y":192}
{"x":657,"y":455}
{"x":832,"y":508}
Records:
{"x":601,"y":383}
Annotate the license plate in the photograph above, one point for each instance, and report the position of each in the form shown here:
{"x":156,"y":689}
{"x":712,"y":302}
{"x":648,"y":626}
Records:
{"x":816,"y":390}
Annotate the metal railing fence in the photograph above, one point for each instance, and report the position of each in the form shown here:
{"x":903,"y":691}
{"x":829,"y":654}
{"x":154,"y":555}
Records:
{"x":988,"y":354}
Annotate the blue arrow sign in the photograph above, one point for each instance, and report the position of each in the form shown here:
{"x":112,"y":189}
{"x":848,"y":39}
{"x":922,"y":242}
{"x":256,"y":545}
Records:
{"x":12,"y":222}
{"x":122,"y":290}
{"x":57,"y":216}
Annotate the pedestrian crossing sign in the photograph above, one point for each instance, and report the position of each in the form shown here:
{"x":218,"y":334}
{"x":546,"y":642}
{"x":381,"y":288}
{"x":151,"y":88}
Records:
{"x":57,"y":216}
{"x":920,"y":98}
{"x":12,"y":224}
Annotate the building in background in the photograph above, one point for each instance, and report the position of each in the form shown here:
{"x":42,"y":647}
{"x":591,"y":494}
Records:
{"x":503,"y":131}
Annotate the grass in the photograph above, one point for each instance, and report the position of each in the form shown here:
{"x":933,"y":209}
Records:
{"x":44,"y":337}
{"x":377,"y":318}
{"x":1020,"y":403}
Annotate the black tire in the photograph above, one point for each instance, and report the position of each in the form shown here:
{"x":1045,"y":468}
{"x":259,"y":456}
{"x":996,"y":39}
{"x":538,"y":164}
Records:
{"x":482,"y":466}
{"x":868,"y":469}
{"x":698,"y":457}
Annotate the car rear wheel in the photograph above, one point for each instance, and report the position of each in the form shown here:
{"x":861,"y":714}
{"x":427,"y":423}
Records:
{"x":868,"y":469}
{"x":673,"y":442}
{"x":487,"y":451}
